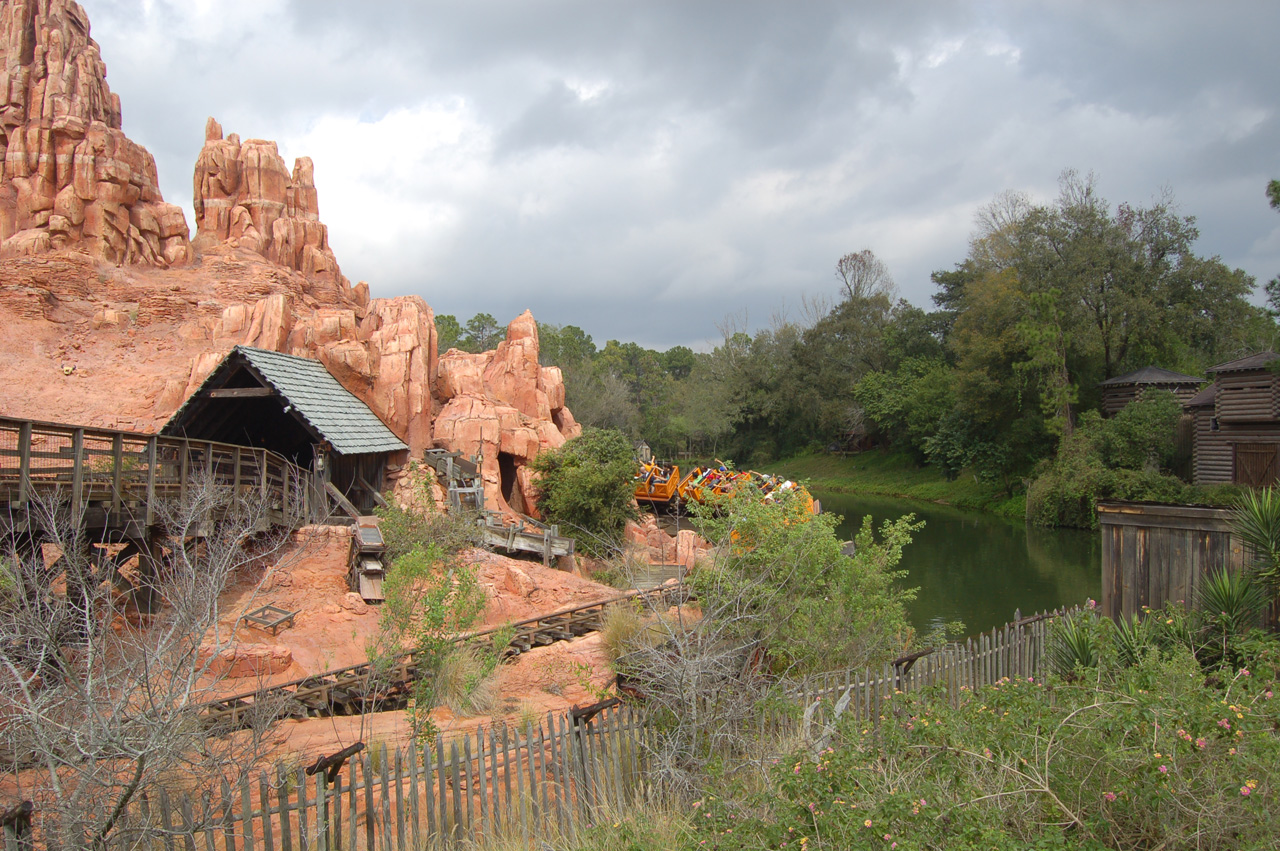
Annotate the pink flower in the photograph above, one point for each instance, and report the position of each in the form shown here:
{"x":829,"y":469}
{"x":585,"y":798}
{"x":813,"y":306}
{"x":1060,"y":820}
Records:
{"x":1244,"y":672}
{"x":1201,"y":743}
{"x":1224,"y":724}
{"x":1110,"y":796}
{"x":1245,"y":791}
{"x":1164,"y":769}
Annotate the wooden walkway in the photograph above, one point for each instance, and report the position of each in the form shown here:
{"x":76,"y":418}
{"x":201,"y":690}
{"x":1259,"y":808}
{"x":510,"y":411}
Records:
{"x":113,"y":480}
{"x":360,"y":688}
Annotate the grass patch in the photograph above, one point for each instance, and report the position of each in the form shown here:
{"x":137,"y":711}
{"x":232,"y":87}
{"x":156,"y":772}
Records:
{"x":896,"y":475}
{"x":467,"y":682}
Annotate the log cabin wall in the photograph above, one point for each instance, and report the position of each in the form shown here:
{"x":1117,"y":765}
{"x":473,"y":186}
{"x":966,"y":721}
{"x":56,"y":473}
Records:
{"x":1237,"y":425}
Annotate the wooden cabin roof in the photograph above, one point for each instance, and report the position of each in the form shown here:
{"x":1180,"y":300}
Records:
{"x":307,"y":390}
{"x":1258,"y":361}
{"x":1204,"y":399}
{"x":1151,"y":375}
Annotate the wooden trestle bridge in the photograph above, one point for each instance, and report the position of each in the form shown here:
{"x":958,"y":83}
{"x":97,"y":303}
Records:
{"x":113,"y":482}
{"x":368,"y":687}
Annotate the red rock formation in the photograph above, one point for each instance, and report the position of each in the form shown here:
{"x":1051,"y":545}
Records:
{"x":122,"y":345}
{"x":501,"y":403}
{"x":245,"y":196}
{"x":72,"y":179}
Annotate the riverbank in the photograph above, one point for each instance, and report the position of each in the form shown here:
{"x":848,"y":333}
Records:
{"x":896,"y":475}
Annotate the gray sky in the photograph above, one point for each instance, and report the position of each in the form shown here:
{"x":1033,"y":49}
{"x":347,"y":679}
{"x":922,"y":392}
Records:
{"x":643,"y":169}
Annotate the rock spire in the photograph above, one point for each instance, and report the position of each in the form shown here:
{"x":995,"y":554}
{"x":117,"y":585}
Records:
{"x":71,"y":178}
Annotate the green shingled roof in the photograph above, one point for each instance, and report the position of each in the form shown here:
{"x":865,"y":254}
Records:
{"x":332,"y":411}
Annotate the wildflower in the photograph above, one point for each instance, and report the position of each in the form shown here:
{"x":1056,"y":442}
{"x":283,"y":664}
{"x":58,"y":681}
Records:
{"x":1232,"y":751}
{"x":1168,"y":620}
{"x":1244,"y":672}
{"x":887,"y":837}
{"x":1224,"y":724}
{"x":1164,"y":769}
{"x":1246,"y":791}
{"x":1201,"y":743}
{"x":1110,"y":796}
{"x":1267,"y":694}
{"x":1252,"y":784}
{"x":867,"y":823}
{"x":986,"y":752}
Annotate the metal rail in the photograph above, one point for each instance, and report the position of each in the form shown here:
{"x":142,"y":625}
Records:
{"x":364,"y":687}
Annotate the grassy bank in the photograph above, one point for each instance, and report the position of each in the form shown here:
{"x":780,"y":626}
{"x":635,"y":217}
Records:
{"x":882,"y":474}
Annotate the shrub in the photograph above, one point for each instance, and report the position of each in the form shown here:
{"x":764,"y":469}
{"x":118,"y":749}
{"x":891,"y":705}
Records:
{"x":586,"y":486}
{"x":466,"y":681}
{"x":1146,"y":756}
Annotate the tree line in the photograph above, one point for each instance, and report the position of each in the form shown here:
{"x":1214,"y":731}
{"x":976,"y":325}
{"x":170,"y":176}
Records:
{"x":1050,"y":300}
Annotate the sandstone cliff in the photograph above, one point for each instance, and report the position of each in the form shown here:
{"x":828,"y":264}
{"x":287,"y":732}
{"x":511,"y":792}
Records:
{"x":112,"y":317}
{"x":245,"y":196}
{"x":72,"y":179}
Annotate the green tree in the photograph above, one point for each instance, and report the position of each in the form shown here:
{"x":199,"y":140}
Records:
{"x":448,"y":332}
{"x":586,"y":486}
{"x":482,"y":333}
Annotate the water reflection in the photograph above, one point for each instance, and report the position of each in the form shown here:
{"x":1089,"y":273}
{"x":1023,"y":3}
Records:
{"x":978,"y":568}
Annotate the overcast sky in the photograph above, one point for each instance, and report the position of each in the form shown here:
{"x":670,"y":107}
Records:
{"x":643,"y":169}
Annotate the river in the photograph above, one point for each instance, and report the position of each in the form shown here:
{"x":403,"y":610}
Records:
{"x":976,"y":567}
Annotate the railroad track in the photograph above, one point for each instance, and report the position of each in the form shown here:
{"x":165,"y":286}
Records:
{"x":366,"y":687}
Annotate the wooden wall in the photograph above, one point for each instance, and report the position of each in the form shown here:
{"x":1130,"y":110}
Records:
{"x":1153,"y":554}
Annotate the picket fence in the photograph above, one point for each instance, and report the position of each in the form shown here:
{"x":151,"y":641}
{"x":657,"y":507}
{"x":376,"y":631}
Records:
{"x":1015,"y":650}
{"x":538,"y":785}
{"x":541,"y":784}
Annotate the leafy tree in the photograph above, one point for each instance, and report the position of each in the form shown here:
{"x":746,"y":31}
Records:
{"x":679,"y":362}
{"x":909,"y":405}
{"x":448,"y":332}
{"x":564,"y":345}
{"x":786,"y":566}
{"x":863,"y":275}
{"x":586,"y":486}
{"x":482,"y":333}
{"x":1273,"y":285}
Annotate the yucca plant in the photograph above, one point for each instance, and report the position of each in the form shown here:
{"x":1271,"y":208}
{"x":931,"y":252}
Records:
{"x":1256,"y":522}
{"x":1134,"y":640}
{"x":1231,"y":604}
{"x":1073,"y":645}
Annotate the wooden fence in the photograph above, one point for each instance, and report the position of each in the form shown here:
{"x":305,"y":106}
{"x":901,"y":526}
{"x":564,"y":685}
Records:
{"x":543,"y":782}
{"x":1015,"y":650}
{"x":539,"y":784}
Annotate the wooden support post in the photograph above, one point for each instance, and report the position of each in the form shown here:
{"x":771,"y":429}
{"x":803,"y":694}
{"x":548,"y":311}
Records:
{"x":184,"y":470}
{"x":235,"y":484}
{"x":24,"y":464}
{"x":117,"y":473}
{"x":152,"y":456}
{"x":262,"y":475}
{"x":77,"y":474}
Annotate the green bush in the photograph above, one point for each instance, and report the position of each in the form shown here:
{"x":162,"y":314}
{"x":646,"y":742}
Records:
{"x":1145,"y":756}
{"x":586,"y":487}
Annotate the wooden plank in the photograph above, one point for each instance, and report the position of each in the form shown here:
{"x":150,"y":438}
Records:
{"x":323,"y":825}
{"x":385,"y":824}
{"x":264,"y":801}
{"x":429,"y":789}
{"x":402,"y":832}
{"x":283,"y":806}
{"x":482,"y":779}
{"x":442,"y":791}
{"x":466,"y":787}
{"x":304,"y":832}
{"x":366,"y":778}
{"x":77,"y":473}
{"x":414,"y":812}
{"x":152,"y":457}
{"x":456,"y":781}
{"x":117,"y":472}
{"x":240,"y":393}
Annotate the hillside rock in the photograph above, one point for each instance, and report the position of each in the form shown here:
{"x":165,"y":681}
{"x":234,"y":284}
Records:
{"x":498,"y":405}
{"x":245,"y":196}
{"x":71,"y":178}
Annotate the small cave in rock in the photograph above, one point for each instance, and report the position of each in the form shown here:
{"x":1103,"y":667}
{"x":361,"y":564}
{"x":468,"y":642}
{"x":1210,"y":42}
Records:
{"x":507,"y":480}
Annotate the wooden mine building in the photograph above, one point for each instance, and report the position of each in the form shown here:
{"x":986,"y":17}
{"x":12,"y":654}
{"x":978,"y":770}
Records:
{"x":294,"y":407}
{"x":1120,"y":391}
{"x":1237,"y":424}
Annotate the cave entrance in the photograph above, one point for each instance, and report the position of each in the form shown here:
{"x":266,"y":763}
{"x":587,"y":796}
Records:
{"x":507,"y":479}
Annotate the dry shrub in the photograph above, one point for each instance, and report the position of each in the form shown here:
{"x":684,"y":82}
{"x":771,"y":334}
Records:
{"x":467,"y":682}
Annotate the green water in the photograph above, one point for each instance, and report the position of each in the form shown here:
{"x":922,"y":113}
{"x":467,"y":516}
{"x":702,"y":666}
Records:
{"x":978,"y":568}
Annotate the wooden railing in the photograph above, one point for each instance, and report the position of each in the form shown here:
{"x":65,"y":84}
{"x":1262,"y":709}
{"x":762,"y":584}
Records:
{"x":117,"y":478}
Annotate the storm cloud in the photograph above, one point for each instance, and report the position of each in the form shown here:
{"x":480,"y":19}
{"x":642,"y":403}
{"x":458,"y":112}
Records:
{"x":643,"y":169}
